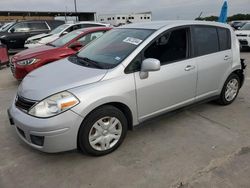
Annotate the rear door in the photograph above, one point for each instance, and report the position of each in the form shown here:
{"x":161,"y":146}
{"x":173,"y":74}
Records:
{"x":212,"y":49}
{"x":37,"y":28}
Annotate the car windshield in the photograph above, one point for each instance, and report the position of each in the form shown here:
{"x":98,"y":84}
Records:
{"x":114,"y":46}
{"x":59,"y":29}
{"x":65,"y":39}
{"x":246,"y":27}
{"x":6,"y":26}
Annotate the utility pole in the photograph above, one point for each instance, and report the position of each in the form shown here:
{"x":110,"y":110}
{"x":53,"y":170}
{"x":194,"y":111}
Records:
{"x":65,"y":14}
{"x":76,"y":10}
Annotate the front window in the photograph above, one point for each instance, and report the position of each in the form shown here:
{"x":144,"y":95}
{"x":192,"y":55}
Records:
{"x":59,"y":29}
{"x":246,"y":27}
{"x":6,"y":26}
{"x":113,"y":47}
{"x":65,"y":39}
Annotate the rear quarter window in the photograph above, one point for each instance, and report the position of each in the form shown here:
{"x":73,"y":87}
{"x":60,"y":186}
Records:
{"x":224,"y":38}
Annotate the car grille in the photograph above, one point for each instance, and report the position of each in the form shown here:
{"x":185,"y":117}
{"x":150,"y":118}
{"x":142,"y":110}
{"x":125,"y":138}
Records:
{"x":24,"y":104}
{"x":241,"y":35}
{"x":243,"y":42}
{"x":12,"y":67}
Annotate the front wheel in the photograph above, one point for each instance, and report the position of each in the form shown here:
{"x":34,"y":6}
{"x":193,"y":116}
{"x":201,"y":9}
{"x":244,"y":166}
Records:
{"x":230,"y":90}
{"x":102,"y":131}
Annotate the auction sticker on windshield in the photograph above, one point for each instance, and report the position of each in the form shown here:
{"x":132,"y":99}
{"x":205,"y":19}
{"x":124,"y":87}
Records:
{"x":132,"y":40}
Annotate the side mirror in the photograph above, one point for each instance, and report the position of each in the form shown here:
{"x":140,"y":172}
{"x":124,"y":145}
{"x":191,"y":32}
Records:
{"x":64,"y":33}
{"x":149,"y":65}
{"x":75,"y":45}
{"x":12,"y":30}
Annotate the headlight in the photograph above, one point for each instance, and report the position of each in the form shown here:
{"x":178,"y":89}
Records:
{"x":31,"y":41}
{"x":27,"y":61}
{"x":54,"y":105}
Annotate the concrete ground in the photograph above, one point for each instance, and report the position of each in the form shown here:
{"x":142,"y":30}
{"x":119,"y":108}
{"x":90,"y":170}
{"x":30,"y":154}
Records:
{"x":203,"y":146}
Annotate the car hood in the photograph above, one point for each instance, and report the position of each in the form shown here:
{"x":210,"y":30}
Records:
{"x":55,"y":77}
{"x":33,"y":52}
{"x":48,"y":39}
{"x":36,"y":37}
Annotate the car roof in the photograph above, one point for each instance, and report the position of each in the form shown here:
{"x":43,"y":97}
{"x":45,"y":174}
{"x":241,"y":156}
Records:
{"x":89,"y":29}
{"x":87,"y":22}
{"x":156,"y":25}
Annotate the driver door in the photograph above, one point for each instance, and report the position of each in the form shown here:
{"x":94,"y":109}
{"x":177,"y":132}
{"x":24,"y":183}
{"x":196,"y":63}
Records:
{"x":18,"y":35}
{"x":174,"y":85}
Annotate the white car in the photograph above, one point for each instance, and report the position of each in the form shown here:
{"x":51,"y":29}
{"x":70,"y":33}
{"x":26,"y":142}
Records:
{"x":61,"y":30}
{"x":244,"y":35}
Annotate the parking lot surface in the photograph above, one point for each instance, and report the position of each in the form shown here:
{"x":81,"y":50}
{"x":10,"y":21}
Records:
{"x":206,"y":145}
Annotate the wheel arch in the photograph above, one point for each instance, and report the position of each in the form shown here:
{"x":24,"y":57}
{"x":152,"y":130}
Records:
{"x":239,"y":73}
{"x":121,"y":106}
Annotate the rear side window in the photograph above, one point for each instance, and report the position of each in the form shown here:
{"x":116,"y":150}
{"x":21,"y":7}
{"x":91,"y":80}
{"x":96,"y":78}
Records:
{"x":38,"y":26}
{"x":205,"y":40}
{"x":224,"y":38}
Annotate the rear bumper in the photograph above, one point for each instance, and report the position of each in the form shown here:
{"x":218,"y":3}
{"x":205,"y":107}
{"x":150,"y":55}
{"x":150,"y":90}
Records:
{"x":55,"y":134}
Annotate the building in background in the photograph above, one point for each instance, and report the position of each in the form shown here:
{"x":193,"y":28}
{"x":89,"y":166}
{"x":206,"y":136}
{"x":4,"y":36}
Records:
{"x":7,"y":16}
{"x":121,"y":19}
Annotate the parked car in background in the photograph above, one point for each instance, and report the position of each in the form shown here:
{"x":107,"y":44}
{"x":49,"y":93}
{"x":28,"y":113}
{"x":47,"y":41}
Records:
{"x":44,"y":38}
{"x":4,"y":57}
{"x":239,"y":23}
{"x":69,"y":44}
{"x":130,"y":74}
{"x":244,"y":36}
{"x":16,"y":33}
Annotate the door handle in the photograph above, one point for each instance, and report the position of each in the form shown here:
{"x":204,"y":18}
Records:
{"x":189,"y":67}
{"x":227,"y":58}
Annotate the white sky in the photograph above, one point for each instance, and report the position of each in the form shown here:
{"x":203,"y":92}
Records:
{"x":161,"y":9}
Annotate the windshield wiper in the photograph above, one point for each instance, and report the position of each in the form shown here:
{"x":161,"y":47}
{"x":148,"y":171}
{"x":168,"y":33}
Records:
{"x":90,"y":62}
{"x":49,"y":44}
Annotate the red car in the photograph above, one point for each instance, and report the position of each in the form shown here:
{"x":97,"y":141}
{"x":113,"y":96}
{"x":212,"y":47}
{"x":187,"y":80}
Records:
{"x":30,"y":59}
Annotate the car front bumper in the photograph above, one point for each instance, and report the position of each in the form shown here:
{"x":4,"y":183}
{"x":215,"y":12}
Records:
{"x":244,"y":41}
{"x":51,"y":135}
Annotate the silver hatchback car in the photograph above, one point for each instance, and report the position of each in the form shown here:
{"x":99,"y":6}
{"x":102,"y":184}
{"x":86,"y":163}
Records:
{"x":132,"y":73}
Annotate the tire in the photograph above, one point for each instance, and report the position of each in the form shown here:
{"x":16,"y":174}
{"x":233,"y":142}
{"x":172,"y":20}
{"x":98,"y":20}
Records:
{"x":97,"y":128}
{"x":225,"y":99}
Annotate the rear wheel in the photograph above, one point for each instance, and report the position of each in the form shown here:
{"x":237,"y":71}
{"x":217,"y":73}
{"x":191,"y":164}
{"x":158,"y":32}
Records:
{"x":230,"y":90}
{"x":102,"y":131}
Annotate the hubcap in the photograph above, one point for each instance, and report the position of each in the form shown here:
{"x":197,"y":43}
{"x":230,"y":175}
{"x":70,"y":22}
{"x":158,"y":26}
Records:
{"x":105,"y":133}
{"x":231,"y":90}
